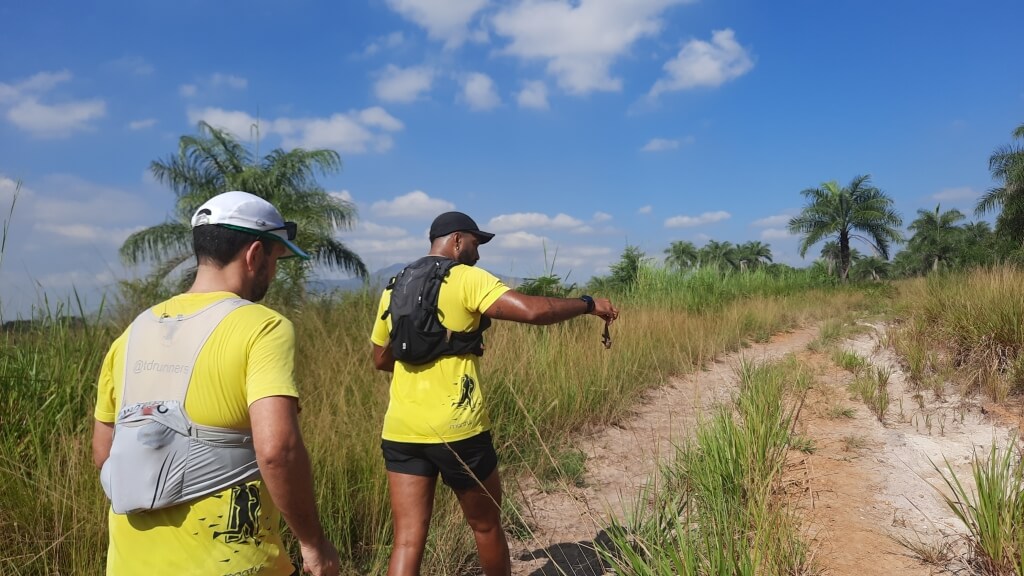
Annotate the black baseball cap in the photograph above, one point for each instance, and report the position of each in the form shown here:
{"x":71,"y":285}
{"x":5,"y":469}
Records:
{"x":450,"y":222}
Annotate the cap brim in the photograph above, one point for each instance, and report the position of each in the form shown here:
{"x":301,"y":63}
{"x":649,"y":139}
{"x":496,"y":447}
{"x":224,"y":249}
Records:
{"x":484,"y":237}
{"x":296,"y":252}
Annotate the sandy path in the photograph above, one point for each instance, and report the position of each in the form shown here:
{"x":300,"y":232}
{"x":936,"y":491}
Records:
{"x":865,"y":483}
{"x":620,"y":460}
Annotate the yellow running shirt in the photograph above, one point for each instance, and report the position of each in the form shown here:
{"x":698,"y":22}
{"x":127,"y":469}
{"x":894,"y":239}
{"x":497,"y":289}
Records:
{"x":441,"y":401}
{"x":250,"y":355}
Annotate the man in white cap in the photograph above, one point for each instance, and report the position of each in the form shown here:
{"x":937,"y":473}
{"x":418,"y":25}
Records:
{"x":437,"y":423}
{"x":196,"y":430}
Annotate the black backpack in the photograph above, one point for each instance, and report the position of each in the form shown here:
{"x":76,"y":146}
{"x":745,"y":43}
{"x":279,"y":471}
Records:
{"x":417,"y":335}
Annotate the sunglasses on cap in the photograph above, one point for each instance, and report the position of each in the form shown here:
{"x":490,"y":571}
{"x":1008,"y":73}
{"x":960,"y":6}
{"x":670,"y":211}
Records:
{"x":286,"y":232}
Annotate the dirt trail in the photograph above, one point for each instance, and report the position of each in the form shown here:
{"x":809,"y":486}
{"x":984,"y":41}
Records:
{"x":865,"y":482}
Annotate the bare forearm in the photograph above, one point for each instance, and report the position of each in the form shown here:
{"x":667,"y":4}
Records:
{"x":289,"y":478}
{"x":383,"y":359}
{"x":102,"y":439}
{"x":538,"y":310}
{"x":528,"y":309}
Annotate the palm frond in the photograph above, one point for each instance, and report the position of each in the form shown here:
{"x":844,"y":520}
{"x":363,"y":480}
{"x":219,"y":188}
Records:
{"x":158,"y":242}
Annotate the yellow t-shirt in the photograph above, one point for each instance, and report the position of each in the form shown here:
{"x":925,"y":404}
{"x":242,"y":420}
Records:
{"x":441,"y":401}
{"x":250,"y":355}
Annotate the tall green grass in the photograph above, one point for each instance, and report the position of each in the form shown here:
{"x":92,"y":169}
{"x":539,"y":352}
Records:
{"x":541,"y":386}
{"x":716,"y":509}
{"x":993,"y":512}
{"x":969,"y":323}
{"x":52,"y":516}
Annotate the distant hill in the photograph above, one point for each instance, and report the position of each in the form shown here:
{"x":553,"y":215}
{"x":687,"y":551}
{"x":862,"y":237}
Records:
{"x":378,"y":280}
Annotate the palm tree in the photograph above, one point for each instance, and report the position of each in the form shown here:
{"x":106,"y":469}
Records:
{"x":935,"y":235}
{"x":718,"y":254}
{"x":830,"y":254}
{"x":976,"y":245}
{"x":870,"y":268}
{"x":753,"y":254}
{"x":626,"y":272}
{"x":858,"y":211}
{"x":1007,"y":168}
{"x":213,"y":162}
{"x":681,"y":255}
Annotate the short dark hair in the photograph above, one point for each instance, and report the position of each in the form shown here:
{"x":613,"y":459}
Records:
{"x":218,"y":245}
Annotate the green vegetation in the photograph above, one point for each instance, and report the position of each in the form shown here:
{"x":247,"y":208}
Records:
{"x":994,"y":512}
{"x":1007,"y":168}
{"x":849,"y":361}
{"x":873,"y":389}
{"x":858,"y":211}
{"x":213,"y":162}
{"x":967,"y":326}
{"x":541,"y":385}
{"x":681,"y":255}
{"x":716,"y":511}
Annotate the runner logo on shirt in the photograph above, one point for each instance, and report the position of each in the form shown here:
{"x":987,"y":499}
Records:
{"x":466,"y":397}
{"x":244,"y":520}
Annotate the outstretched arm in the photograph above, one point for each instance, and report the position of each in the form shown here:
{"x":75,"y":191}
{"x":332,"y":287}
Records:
{"x":541,"y":310}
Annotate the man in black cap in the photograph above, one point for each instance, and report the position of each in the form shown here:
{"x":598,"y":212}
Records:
{"x":436,"y":421}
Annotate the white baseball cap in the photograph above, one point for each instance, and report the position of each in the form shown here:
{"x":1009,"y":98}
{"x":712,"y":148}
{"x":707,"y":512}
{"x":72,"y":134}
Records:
{"x":249,"y":213}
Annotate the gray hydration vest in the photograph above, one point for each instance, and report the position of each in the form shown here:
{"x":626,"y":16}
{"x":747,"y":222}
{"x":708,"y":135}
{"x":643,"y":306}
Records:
{"x":159,"y":456}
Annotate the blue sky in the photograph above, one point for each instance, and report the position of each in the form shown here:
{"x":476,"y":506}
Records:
{"x":577,"y":126}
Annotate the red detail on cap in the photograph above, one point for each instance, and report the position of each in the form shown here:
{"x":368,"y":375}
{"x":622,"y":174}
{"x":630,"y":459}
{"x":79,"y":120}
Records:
{"x":147,"y":411}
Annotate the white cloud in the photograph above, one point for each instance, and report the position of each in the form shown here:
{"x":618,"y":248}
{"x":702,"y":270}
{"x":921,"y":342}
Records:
{"x":520,"y":241}
{"x":34,"y":85}
{"x":955,"y":194}
{"x":229,"y":80}
{"x":354,"y":132}
{"x":415,"y":204}
{"x":396,"y":84}
{"x":43,"y":120}
{"x":343,"y":195}
{"x":236,"y":122}
{"x":645,"y":209}
{"x":134,"y":64}
{"x":142,"y":124}
{"x":65,"y":232}
{"x":533,"y":95}
{"x":446,"y":21}
{"x":378,"y":117}
{"x":601,"y":217}
{"x":57,"y":120}
{"x":690,"y":221}
{"x":88,"y":233}
{"x":660,"y":145}
{"x":776,"y":234}
{"x":338,"y":131}
{"x":387,"y":250}
{"x":663,"y":144}
{"x":701,"y":63}
{"x":188,"y":90}
{"x":392,"y":40}
{"x":521,"y":220}
{"x":479,"y":92}
{"x":374,"y":229}
{"x":579,"y":40}
{"x":769,"y":221}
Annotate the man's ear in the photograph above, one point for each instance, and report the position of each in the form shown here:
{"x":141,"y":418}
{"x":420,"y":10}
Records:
{"x":254,"y":253}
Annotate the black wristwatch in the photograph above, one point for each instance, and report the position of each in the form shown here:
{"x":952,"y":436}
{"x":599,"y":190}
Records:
{"x":590,"y":303}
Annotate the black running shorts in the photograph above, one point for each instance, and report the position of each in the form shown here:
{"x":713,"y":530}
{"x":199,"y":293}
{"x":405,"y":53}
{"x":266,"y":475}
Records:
{"x":451,"y":460}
